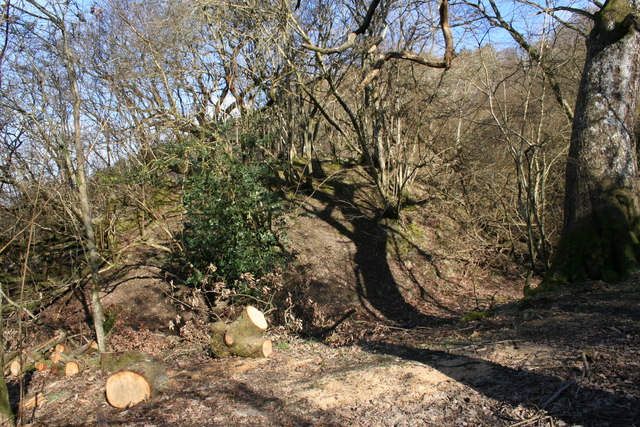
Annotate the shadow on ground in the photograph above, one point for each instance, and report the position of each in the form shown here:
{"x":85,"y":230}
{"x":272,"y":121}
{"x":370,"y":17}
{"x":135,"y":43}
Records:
{"x":376,"y":286}
{"x":566,"y":400}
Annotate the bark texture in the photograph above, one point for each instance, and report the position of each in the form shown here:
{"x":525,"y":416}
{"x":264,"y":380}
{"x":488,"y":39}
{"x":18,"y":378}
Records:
{"x":243,"y":337}
{"x":6,"y":414}
{"x":600,"y":237}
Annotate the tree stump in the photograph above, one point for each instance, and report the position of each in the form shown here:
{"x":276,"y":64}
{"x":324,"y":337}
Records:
{"x":138,"y":376}
{"x":243,"y":337}
{"x":72,"y":368}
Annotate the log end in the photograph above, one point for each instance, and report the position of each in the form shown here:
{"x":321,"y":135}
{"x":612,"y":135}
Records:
{"x":127,"y":388}
{"x":267,"y":348}
{"x":256,"y":317}
{"x":15,"y":368}
{"x":71,"y":368}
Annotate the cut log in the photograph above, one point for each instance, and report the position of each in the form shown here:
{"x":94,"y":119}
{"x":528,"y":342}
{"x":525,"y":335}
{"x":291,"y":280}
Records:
{"x":119,"y":360}
{"x":255,"y":347}
{"x":131,"y":386}
{"x":42,"y":366}
{"x":228,"y":339}
{"x":254,"y":317}
{"x":242,"y":337}
{"x":71,"y":368}
{"x":219,"y":348}
{"x":138,"y":376}
{"x":61,"y":348}
{"x":127,"y":388}
{"x":92,"y":347}
{"x":41,"y":348}
{"x":33,"y":401}
{"x":15,"y":368}
{"x":24,"y":364}
{"x":57,"y":369}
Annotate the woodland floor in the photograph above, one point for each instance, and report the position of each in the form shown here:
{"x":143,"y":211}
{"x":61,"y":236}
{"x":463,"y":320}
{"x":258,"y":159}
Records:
{"x":400,"y":358}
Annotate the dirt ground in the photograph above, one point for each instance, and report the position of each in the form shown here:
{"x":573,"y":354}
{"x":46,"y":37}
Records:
{"x":400,"y":358}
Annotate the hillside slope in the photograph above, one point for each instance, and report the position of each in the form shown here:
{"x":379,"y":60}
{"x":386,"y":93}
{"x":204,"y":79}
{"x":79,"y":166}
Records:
{"x":399,"y":357}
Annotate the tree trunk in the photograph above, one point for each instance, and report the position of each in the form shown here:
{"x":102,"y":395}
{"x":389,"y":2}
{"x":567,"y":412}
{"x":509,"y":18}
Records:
{"x":85,"y":207}
{"x":600,"y":236}
{"x":6,"y":414}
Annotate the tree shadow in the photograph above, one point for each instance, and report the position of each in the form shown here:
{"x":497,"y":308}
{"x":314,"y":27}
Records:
{"x":567,"y":400}
{"x":237,"y":402}
{"x":375,"y":283}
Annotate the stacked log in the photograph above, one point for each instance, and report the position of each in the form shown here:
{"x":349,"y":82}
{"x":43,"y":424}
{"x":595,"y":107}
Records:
{"x":20,"y":362}
{"x":133,"y":376}
{"x":243,"y":337}
{"x":61,"y":360}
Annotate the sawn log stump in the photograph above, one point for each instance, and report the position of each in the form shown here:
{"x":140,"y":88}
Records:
{"x":243,"y":337}
{"x":137,"y":378}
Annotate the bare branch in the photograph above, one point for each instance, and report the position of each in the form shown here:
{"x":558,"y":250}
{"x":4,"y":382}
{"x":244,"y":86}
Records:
{"x":384,"y":57}
{"x":568,"y":9}
{"x":446,"y":60}
{"x":367,"y":19}
{"x":351,"y":38}
{"x":498,"y":20}
{"x":446,"y":32}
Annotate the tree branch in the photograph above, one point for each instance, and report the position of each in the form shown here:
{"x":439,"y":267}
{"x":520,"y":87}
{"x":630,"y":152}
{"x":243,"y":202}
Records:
{"x":351,"y":38}
{"x":534,"y":54}
{"x":446,"y":60}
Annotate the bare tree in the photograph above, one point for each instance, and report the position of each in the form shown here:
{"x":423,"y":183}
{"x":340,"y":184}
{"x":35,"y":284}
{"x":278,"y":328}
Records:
{"x":369,"y":114}
{"x":51,"y":125}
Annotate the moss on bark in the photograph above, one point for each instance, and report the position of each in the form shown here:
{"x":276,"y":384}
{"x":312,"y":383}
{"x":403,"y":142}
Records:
{"x":600,"y":237}
{"x":604,"y":246}
{"x":6,"y":415}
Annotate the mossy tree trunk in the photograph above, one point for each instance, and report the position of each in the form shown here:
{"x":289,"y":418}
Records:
{"x":6,"y":415}
{"x":600,"y":236}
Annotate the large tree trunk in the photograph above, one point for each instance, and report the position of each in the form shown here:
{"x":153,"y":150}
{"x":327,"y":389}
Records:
{"x":600,"y":237}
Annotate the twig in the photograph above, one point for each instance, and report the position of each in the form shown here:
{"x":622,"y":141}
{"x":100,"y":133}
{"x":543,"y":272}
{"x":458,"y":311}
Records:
{"x":15,"y":304}
{"x":587,"y":369}
{"x":337,"y":323}
{"x":528,"y":421}
{"x":557,"y":394}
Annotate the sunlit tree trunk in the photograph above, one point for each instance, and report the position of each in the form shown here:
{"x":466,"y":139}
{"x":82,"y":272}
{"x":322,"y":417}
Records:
{"x":600,"y":237}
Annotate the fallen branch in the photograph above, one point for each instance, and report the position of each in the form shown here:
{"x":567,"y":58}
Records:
{"x":16,"y":305}
{"x":337,"y":323}
{"x":557,"y":394}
